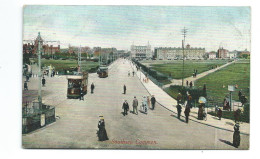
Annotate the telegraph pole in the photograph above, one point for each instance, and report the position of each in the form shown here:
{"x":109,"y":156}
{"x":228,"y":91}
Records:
{"x":39,"y":72}
{"x":79,"y":58}
{"x":184,"y":31}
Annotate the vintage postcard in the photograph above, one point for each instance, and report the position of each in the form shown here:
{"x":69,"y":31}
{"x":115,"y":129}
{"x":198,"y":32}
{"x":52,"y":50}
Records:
{"x":136,"y":77}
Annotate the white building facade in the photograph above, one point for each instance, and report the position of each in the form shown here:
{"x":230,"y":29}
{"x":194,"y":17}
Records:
{"x":141,"y":52}
{"x":173,"y":53}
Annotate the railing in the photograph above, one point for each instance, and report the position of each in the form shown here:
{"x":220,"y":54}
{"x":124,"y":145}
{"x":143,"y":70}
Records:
{"x":33,"y":118}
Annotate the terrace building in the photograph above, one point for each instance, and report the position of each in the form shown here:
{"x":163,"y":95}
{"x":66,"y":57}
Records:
{"x":173,"y":53}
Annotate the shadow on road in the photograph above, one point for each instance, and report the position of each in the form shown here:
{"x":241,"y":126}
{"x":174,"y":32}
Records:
{"x":227,"y":142}
{"x":177,"y":118}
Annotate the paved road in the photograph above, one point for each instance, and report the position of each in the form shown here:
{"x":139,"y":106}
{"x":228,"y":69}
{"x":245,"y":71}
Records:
{"x":77,"y":125}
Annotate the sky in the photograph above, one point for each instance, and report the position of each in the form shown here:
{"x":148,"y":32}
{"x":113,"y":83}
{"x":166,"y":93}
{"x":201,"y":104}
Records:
{"x":122,"y":26}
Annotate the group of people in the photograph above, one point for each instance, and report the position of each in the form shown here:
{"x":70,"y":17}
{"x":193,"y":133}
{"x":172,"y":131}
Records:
{"x":195,"y":72}
{"x":133,"y":73}
{"x":187,"y":108}
{"x":82,"y":93}
{"x":143,"y":107}
{"x":189,"y":84}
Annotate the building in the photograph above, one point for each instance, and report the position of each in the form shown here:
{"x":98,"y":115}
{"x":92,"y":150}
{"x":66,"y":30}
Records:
{"x":232,"y":54}
{"x":222,"y":53}
{"x":45,"y":48}
{"x":141,"y":52}
{"x":212,"y":55}
{"x":28,"y":48}
{"x":50,"y":49}
{"x":173,"y":53}
{"x":244,"y":53}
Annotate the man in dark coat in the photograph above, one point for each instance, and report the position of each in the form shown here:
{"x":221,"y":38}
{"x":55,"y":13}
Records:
{"x":133,"y":73}
{"x":187,"y":113}
{"x":187,"y":83}
{"x":124,"y":89}
{"x":153,"y":100}
{"x":102,"y":133}
{"x":43,"y":81}
{"x":179,"y":110}
{"x":92,"y":88}
{"x":125,"y":107}
{"x":190,"y":84}
{"x":25,"y":86}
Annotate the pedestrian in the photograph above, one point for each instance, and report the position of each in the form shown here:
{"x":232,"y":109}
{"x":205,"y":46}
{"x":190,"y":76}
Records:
{"x":92,"y":87}
{"x":179,"y":98}
{"x":81,"y":93}
{"x":43,"y":82}
{"x":27,"y":78}
{"x":237,"y":115}
{"x":128,"y":73}
{"x":135,"y":105}
{"x":25,"y":86}
{"x":239,"y":94}
{"x":190,"y":84}
{"x":187,"y":113}
{"x":236,"y":136}
{"x":200,"y":112}
{"x":133,"y":73}
{"x":179,"y":108}
{"x":125,"y":107}
{"x":187,"y":83}
{"x":153,"y":100}
{"x":189,"y":100}
{"x":219,"y":113}
{"x":124,"y":89}
{"x":216,"y":110}
{"x":102,"y":133}
{"x":204,"y":90}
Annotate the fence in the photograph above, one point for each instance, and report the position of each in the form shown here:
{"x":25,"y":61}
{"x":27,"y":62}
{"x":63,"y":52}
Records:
{"x":34,"y":118}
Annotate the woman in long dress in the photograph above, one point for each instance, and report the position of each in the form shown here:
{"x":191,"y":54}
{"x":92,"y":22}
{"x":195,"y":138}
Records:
{"x":102,"y":133}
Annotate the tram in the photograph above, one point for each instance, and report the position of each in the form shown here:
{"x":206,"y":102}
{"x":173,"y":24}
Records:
{"x":75,"y":82}
{"x":102,"y":72}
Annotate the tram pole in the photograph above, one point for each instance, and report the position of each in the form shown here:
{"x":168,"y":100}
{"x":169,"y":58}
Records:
{"x":39,"y":72}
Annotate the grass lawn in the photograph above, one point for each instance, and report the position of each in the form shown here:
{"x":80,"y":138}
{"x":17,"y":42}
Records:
{"x":175,"y":67}
{"x":237,"y":73}
{"x":66,"y":64}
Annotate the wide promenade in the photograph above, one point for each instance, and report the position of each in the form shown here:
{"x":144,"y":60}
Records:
{"x":76,"y":124}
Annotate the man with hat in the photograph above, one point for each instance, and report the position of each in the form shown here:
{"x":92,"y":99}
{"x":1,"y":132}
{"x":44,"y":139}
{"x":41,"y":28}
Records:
{"x":125,"y":107}
{"x":102,"y":133}
{"x":179,"y":98}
